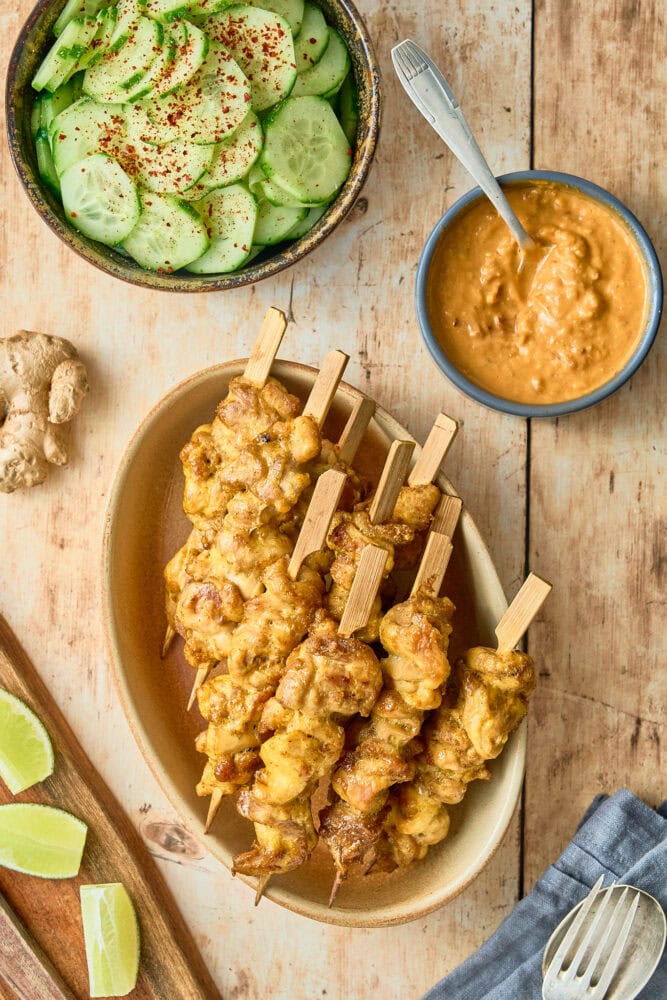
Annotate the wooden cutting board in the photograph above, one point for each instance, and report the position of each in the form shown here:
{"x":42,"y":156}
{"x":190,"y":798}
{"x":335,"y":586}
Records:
{"x":171,"y":967}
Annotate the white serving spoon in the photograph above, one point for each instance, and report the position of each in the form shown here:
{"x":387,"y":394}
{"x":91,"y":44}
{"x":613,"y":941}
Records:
{"x":431,"y":94}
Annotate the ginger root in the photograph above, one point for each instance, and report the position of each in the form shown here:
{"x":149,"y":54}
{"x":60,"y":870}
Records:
{"x":42,"y":383}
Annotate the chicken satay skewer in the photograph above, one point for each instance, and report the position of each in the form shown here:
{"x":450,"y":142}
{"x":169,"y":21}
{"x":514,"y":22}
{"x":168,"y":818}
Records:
{"x":329,"y":678}
{"x":416,"y":635}
{"x":369,"y":574}
{"x":321,"y":509}
{"x":251,"y":664}
{"x":317,"y":408}
{"x":256,"y":371}
{"x":493,"y":691}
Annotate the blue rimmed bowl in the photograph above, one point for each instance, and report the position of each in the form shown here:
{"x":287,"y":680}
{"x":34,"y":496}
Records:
{"x":654,"y":290}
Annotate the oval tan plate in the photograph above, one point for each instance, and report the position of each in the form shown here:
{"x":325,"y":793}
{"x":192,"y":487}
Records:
{"x":145,"y":525}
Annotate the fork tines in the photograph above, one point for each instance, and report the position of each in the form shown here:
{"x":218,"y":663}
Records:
{"x":597,"y":940}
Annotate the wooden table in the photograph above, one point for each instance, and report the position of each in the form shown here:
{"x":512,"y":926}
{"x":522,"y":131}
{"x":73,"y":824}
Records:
{"x":549,"y":84}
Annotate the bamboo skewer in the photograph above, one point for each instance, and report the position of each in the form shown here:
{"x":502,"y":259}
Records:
{"x":391,"y":481}
{"x":438,"y":549}
{"x":266,"y":346}
{"x":433,"y":453}
{"x":325,"y":387}
{"x":355,"y":428}
{"x":446,"y":515}
{"x":521,"y":612}
{"x":367,"y":580}
{"x":321,"y":509}
{"x":257,"y":370}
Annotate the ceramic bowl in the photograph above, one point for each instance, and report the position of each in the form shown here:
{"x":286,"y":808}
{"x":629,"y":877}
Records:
{"x":145,"y":525}
{"x":655,"y":296}
{"x":34,"y":40}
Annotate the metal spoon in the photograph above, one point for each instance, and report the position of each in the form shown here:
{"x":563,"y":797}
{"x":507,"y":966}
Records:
{"x":643,"y":948}
{"x":431,"y":94}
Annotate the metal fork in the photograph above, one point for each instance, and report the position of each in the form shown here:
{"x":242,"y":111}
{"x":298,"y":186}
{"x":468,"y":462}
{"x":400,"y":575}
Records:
{"x":431,"y":94}
{"x":606,"y":933}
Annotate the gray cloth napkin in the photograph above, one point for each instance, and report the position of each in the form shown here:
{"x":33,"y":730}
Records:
{"x":620,"y":837}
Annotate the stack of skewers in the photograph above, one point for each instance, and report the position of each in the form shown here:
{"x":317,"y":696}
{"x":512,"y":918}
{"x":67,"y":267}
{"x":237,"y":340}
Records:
{"x":306,"y":668}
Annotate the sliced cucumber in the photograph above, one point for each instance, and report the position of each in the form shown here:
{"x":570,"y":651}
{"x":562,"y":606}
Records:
{"x":229,"y":215}
{"x":86,"y":127}
{"x":204,"y":8}
{"x":48,"y":106}
{"x":150,"y":83}
{"x":191,"y":51}
{"x":169,"y":234}
{"x":128,"y":13}
{"x":45,"y":166}
{"x":302,"y":227}
{"x":274,"y":223}
{"x":36,"y":116}
{"x":99,"y":199}
{"x":211,"y":107}
{"x":61,"y":60}
{"x":313,"y":39}
{"x":326,"y":77}
{"x":261,"y":43}
{"x":118,"y":72}
{"x":305,"y":150}
{"x":291,"y":10}
{"x":141,"y":129}
{"x":349,"y":109}
{"x":232,"y":159}
{"x":86,"y":9}
{"x":166,"y":10}
{"x":169,"y":169}
{"x":273,"y":192}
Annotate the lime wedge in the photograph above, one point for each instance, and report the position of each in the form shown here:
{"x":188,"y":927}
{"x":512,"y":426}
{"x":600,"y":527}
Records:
{"x":26,"y":754}
{"x":111,"y":933}
{"x":40,"y":840}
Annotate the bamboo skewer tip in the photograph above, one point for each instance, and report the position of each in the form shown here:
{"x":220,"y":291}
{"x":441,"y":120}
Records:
{"x":169,"y":636}
{"x":214,"y":805}
{"x":337,"y":882}
{"x":200,"y":677}
{"x":261,"y":888}
{"x":521,"y":612}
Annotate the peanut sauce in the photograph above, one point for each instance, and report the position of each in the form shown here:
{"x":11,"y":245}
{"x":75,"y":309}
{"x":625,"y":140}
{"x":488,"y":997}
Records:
{"x":552,"y":324}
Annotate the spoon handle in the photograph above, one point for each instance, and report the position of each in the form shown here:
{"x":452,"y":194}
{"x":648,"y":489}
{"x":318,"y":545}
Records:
{"x":432,"y":96}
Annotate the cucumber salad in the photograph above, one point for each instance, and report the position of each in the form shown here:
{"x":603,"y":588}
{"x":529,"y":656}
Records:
{"x":194,"y":133}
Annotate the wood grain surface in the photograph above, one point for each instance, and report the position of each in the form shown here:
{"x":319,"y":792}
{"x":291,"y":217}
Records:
{"x":170,"y":963}
{"x":579,"y":500}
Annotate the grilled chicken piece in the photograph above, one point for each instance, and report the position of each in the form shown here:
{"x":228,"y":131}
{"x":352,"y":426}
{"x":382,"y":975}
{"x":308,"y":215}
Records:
{"x":487,"y":701}
{"x":402,"y":536}
{"x":416,"y":636}
{"x":273,"y":624}
{"x":210,"y":603}
{"x":247,"y":411}
{"x":328,"y":680}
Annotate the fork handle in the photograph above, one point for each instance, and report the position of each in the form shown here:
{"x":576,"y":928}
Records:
{"x":441,"y":110}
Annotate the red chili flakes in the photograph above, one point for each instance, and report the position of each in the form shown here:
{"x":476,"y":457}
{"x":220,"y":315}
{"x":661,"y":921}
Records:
{"x":72,"y":215}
